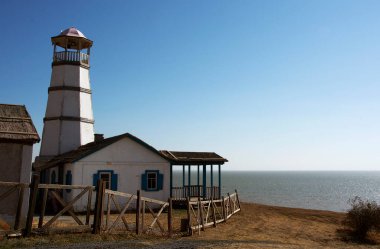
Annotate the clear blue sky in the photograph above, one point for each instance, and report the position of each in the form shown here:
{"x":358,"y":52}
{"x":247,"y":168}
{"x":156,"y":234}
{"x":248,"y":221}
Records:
{"x":270,"y":85}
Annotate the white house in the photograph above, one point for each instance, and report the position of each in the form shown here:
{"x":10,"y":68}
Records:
{"x":127,"y":164}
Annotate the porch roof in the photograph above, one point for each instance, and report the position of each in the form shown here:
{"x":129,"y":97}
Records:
{"x":193,"y":158}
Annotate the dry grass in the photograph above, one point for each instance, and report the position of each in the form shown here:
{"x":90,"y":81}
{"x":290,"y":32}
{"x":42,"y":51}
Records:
{"x":256,"y":226}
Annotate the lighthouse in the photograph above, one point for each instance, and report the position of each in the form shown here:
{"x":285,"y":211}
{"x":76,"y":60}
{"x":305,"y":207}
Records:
{"x":68,"y":121}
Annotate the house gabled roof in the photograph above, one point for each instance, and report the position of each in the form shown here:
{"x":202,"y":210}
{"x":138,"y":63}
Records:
{"x":90,"y":148}
{"x":174,"y":157}
{"x":185,"y":158}
{"x":16,"y":125}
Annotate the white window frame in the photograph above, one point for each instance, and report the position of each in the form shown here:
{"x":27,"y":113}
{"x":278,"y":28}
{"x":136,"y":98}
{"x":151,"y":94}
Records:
{"x":155,"y":179}
{"x":109,"y":177}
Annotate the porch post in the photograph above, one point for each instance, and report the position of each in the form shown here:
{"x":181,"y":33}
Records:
{"x":171,"y":180}
{"x":188,"y":180}
{"x":219,"y":181}
{"x":183,"y":181}
{"x":204,"y":181}
{"x":212,"y":181}
{"x":198,"y":187}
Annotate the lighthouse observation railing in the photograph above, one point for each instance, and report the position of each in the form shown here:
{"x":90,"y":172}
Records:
{"x":71,"y":56}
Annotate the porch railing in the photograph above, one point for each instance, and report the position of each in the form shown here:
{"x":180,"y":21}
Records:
{"x":179,"y":193}
{"x":71,"y":56}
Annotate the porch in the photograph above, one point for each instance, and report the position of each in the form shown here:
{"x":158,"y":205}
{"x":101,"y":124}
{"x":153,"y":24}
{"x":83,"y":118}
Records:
{"x":195,"y":175}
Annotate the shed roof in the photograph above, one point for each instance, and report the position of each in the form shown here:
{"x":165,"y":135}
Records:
{"x":16,"y":125}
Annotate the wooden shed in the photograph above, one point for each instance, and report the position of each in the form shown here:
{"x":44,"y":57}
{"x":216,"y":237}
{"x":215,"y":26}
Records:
{"x":17,"y":136}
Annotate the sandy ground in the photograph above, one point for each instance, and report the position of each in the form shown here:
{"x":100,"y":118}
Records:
{"x":256,"y":226}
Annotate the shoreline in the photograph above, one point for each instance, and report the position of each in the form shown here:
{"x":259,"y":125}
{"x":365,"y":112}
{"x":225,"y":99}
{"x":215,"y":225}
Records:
{"x":297,"y":208}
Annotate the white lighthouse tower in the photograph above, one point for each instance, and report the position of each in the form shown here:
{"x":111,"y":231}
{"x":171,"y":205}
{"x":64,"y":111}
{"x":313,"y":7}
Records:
{"x":68,"y":121}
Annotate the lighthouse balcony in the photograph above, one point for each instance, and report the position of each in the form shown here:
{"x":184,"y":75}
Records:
{"x":71,"y":57}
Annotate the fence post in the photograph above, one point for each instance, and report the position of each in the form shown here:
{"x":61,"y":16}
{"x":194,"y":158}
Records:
{"x":43,"y":207}
{"x":142,"y":216}
{"x":229,"y":204}
{"x":32,"y":204}
{"x":224,"y":209}
{"x":98,"y":213}
{"x":190,"y":231}
{"x":138,"y":210}
{"x":237,"y":198}
{"x":201,"y":214}
{"x":213,"y":212}
{"x":89,"y":197}
{"x":19,"y":207}
{"x":170,"y":221}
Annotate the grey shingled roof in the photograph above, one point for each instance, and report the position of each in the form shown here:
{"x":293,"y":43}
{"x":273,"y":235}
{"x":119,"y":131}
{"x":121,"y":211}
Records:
{"x":88,"y":149}
{"x":16,"y":125}
{"x":174,"y":157}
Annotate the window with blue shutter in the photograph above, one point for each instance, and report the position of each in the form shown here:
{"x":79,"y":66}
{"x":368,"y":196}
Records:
{"x":152,"y":180}
{"x":108,"y":176}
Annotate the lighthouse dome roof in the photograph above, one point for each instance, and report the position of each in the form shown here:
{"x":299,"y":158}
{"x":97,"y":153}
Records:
{"x":71,"y":38}
{"x":72,"y":32}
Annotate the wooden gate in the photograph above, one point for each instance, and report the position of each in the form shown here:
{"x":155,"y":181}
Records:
{"x":7,"y":189}
{"x":53,"y":191}
{"x":132,"y":214}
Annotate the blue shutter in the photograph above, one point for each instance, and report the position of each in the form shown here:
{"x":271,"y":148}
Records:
{"x":144,"y":182}
{"x":160,"y":181}
{"x":53,"y":179}
{"x":95,"y":179}
{"x":69,"y":180}
{"x":69,"y":177}
{"x":114,"y":182}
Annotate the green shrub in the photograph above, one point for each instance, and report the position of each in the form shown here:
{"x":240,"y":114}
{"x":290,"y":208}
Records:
{"x":362,"y":217}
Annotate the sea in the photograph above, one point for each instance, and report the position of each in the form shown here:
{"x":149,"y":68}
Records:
{"x":322,"y":190}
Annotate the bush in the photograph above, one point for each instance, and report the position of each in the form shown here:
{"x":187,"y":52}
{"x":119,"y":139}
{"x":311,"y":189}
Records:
{"x":363,"y":217}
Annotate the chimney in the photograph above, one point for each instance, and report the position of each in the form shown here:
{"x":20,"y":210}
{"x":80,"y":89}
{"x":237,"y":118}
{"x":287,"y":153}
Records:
{"x":98,"y":137}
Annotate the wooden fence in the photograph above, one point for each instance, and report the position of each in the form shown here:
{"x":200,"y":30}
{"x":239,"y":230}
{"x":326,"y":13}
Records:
{"x":206,"y":213}
{"x":9,"y":189}
{"x":114,"y":211}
